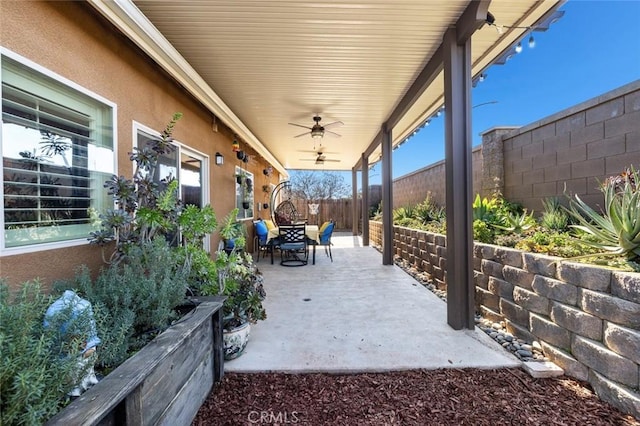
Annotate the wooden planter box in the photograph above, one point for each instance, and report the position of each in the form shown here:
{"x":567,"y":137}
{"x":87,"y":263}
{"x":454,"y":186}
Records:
{"x":164,"y":383}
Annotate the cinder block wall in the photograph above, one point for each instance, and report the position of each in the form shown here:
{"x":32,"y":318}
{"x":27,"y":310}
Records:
{"x":586,"y":318}
{"x":413,"y":188}
{"x":574,"y":149}
{"x":571,"y":150}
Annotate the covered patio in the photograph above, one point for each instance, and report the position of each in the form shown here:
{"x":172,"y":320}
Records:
{"x":356,"y":315}
{"x":378,"y":70}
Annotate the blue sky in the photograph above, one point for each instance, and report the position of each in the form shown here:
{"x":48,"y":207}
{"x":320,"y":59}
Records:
{"x":592,"y":49}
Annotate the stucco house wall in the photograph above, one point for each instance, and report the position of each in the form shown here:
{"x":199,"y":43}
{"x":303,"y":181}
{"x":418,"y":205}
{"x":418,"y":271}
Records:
{"x":73,"y":41}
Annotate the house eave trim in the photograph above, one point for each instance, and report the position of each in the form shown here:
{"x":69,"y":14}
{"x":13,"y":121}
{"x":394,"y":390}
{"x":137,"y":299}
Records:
{"x":134,"y":25}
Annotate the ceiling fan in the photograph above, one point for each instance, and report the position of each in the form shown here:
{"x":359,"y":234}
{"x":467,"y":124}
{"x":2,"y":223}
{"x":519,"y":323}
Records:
{"x":320,"y":159}
{"x":317,"y":131}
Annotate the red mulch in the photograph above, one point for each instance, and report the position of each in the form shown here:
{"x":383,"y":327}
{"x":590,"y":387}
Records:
{"x":417,"y":397}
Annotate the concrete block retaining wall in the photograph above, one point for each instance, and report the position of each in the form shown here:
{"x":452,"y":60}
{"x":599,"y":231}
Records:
{"x":586,"y":318}
{"x":567,"y":152}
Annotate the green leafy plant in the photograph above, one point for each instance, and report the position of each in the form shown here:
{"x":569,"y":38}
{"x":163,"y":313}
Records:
{"x":35,"y":366}
{"x":242,"y":283}
{"x":232,"y":231}
{"x":617,"y":230}
{"x":144,"y":207}
{"x":560,"y":244}
{"x":402,"y":213}
{"x":485,"y":209}
{"x":483,"y":232}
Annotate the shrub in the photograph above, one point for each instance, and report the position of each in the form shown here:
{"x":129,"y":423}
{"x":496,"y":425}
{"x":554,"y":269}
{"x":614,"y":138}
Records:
{"x":483,"y":232}
{"x":146,"y":205}
{"x":133,"y":301}
{"x":428,"y":211}
{"x":35,"y":370}
{"x":241,"y":282}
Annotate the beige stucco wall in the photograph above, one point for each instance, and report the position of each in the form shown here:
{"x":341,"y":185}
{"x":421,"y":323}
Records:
{"x":74,"y":41}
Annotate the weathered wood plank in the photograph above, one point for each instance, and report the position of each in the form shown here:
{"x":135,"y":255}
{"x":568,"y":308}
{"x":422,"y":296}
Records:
{"x":133,"y":407}
{"x":98,"y":401}
{"x":169,"y":377}
{"x":188,"y":400}
{"x":218,"y":346}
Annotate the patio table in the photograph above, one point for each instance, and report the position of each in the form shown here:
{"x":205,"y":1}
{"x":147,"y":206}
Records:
{"x":312,"y":233}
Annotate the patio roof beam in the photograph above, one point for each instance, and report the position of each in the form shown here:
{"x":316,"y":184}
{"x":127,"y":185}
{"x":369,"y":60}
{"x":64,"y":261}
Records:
{"x":365,"y":200}
{"x":417,"y":88}
{"x":387,"y":198}
{"x":354,"y":197}
{"x":458,"y":141}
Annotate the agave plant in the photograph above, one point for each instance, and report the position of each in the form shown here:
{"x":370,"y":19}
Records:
{"x":407,"y":212}
{"x":617,"y":231}
{"x":554,"y":217}
{"x":516,"y":223}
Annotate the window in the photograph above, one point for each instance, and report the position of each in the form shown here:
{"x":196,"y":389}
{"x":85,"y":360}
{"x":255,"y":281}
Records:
{"x":189,"y":167}
{"x":244,"y":193}
{"x":184,"y":164}
{"x":57,"y":152}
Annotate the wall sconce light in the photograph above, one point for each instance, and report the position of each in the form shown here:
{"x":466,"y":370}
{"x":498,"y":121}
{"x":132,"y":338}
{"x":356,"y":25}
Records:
{"x":219,"y":159}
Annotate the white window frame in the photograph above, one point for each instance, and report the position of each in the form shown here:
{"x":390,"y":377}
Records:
{"x":74,"y":86}
{"x":181,"y":149}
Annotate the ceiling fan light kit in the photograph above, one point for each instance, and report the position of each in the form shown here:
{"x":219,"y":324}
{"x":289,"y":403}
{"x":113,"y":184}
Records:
{"x":317,"y":131}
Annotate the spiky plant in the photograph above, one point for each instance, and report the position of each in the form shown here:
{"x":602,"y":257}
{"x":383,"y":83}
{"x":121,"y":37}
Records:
{"x":617,"y":230}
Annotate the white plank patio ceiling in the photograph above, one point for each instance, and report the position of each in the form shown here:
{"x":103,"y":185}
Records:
{"x":275,"y":62}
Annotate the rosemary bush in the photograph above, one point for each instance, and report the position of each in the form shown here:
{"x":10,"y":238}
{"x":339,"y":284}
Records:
{"x":134,"y":301}
{"x":36,"y":364}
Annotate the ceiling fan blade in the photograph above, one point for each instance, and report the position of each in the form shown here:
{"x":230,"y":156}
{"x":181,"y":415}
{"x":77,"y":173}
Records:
{"x":334,"y":124}
{"x":301,"y":134}
{"x":300,"y":125}
{"x":317,"y":151}
{"x":334,"y":134}
{"x":332,"y":161}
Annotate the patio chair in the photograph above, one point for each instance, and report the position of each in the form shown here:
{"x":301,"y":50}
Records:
{"x":325,"y":232}
{"x":261,"y":243}
{"x":293,"y":246}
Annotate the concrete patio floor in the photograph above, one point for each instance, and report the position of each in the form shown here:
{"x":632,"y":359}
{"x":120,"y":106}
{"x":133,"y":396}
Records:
{"x":357,"y":315}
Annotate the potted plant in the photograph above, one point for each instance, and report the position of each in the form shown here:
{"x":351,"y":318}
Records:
{"x":240,"y":282}
{"x":232,"y":232}
{"x":240,"y":177}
